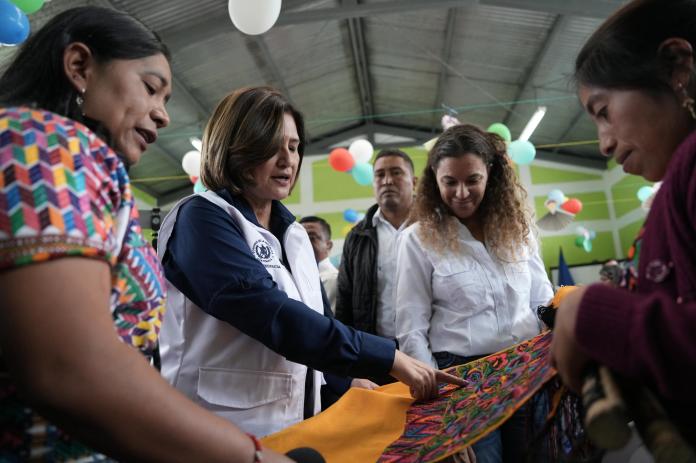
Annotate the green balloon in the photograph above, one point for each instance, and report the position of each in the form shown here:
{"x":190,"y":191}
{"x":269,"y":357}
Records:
{"x":500,"y":129}
{"x":29,"y":6}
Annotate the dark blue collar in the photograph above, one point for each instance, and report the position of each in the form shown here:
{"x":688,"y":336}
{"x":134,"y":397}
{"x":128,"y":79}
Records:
{"x":281,"y":217}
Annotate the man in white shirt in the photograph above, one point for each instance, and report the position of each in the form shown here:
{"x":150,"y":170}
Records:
{"x":368,"y":266}
{"x":319,"y":232}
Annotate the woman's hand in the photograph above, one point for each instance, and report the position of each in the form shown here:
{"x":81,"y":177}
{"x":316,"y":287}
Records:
{"x":465,"y":456}
{"x":566,"y":355}
{"x":363,"y":383}
{"x":84,"y":383}
{"x":421,"y":378}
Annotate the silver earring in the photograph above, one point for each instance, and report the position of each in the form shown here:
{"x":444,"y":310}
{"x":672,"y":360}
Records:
{"x":688,"y":103}
{"x":80,"y":99}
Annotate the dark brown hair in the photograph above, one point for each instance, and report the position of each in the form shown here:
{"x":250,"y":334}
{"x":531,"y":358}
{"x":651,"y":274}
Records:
{"x":245,"y":130}
{"x":623,"y":52}
{"x":502,"y":210}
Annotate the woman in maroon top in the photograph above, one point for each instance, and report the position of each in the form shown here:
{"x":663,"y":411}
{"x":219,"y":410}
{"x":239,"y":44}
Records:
{"x":636,"y":80}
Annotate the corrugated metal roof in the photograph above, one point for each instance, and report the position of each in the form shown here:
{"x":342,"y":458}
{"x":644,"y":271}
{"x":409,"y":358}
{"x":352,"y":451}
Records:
{"x":502,"y":62}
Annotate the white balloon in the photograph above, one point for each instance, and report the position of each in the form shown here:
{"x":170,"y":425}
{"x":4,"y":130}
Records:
{"x":254,"y":17}
{"x":191,"y":162}
{"x":361,"y":150}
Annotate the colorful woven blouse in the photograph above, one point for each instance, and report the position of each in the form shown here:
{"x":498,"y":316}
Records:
{"x":64,"y":192}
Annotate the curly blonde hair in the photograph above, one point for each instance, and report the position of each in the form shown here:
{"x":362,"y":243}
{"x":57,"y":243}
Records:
{"x":505,"y":218}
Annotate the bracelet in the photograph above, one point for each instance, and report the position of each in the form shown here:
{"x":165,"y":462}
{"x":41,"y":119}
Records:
{"x":258,"y":456}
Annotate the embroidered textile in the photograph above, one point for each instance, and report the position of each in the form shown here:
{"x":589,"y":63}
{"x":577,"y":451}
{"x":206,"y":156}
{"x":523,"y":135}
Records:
{"x":385,"y":425}
{"x":500,"y":384}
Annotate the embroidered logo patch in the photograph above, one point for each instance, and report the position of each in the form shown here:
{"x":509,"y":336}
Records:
{"x":263,"y":251}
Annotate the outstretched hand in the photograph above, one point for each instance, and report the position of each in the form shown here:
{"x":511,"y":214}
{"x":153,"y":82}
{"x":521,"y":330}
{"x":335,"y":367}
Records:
{"x":421,"y":378}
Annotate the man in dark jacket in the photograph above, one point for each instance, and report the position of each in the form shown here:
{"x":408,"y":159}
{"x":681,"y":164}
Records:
{"x":368,"y":264}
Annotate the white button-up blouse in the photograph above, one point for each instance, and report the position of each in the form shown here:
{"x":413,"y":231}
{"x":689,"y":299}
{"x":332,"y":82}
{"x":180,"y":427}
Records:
{"x":469,"y":303}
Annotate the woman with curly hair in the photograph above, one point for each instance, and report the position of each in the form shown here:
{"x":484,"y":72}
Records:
{"x":469,"y":276}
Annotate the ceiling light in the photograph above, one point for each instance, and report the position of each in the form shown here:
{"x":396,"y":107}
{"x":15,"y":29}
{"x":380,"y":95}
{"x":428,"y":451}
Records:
{"x":533,"y":123}
{"x":196,"y":142}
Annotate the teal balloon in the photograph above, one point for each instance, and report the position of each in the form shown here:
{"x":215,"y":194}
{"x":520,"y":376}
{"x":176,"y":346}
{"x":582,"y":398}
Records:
{"x":557,"y":196}
{"x":644,"y":193}
{"x":198,"y":186}
{"x":522,"y":152}
{"x":29,"y":6}
{"x":14,"y":24}
{"x":362,"y":173}
{"x":501,"y":129}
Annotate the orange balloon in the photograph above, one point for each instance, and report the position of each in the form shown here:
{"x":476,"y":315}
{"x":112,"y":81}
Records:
{"x":572,"y":206}
{"x":341,"y":160}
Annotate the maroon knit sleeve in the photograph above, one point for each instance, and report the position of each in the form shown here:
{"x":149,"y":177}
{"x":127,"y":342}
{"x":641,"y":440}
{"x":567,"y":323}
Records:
{"x":649,"y":336}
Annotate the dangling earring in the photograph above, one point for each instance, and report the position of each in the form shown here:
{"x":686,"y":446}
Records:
{"x":688,"y":102}
{"x":80,"y":99}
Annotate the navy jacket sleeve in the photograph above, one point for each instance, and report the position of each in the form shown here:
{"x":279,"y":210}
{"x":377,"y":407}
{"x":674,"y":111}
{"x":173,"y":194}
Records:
{"x":209,"y":261}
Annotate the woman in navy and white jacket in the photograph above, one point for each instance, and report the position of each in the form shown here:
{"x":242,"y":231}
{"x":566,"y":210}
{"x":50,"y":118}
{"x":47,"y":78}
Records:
{"x":245,"y":317}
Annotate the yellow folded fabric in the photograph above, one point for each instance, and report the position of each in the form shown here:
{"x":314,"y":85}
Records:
{"x":362,"y":421}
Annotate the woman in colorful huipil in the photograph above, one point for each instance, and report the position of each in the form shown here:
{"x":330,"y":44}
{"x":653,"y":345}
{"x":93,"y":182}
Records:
{"x":82,"y":291}
{"x":637,"y":82}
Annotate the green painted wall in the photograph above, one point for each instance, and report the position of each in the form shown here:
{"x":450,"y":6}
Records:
{"x":624,"y":194}
{"x":294,"y":197}
{"x":602,"y":250}
{"x":330,"y":185}
{"x":594,"y":206}
{"x":628,"y":233}
{"x":547,"y":175}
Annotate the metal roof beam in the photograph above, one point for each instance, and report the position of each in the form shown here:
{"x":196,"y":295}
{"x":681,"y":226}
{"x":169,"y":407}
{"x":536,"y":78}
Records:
{"x":557,"y":27}
{"x":357,"y":42}
{"x":320,"y":145}
{"x":262,"y":57}
{"x":200,"y":31}
{"x":446,"y":55}
{"x":588,"y":8}
{"x":419,"y":134}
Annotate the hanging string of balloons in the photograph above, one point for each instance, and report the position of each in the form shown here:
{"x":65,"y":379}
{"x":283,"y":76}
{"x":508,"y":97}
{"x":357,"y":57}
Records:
{"x":355,"y":161}
{"x":14,"y":24}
